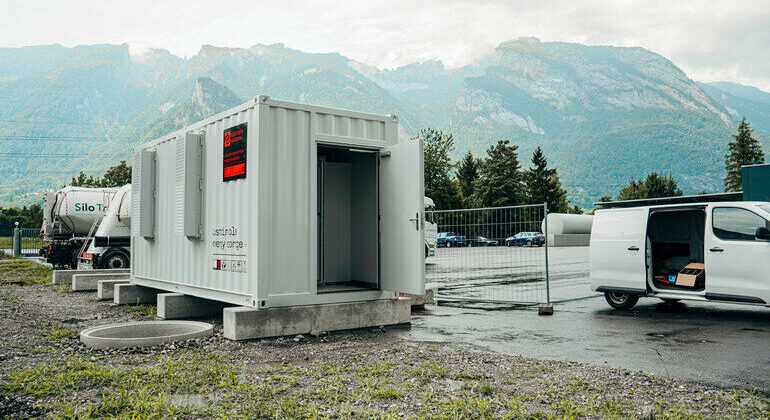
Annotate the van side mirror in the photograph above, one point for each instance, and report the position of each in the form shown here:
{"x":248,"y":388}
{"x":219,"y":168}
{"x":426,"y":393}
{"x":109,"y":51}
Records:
{"x":763,"y":234}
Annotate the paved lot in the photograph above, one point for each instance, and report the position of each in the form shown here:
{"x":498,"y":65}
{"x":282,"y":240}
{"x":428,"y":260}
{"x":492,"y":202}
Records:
{"x":515,"y":274}
{"x":722,"y":344}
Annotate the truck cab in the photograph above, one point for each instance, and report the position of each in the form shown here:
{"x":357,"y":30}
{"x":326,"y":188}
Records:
{"x":711,"y":251}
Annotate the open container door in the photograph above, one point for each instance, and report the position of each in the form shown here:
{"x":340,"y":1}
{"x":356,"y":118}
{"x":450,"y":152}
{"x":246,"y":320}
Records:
{"x":402,"y":236}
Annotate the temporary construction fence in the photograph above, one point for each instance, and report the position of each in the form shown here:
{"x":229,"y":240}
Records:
{"x":490,"y":255}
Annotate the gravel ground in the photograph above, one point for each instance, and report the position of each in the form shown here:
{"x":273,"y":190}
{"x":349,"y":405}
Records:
{"x":47,"y":372}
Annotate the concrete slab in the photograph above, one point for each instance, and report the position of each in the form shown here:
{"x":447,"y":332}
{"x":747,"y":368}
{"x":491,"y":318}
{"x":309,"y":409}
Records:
{"x":65,"y":276}
{"x":419,"y":301}
{"x":242,"y":323}
{"x":131,"y":294}
{"x":178,"y":305}
{"x":84,"y":282}
{"x":105,"y":289}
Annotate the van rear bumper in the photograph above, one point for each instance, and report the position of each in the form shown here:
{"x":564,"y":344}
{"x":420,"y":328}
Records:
{"x":627,"y":290}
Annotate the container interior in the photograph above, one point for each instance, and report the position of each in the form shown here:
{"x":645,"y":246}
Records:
{"x":675,"y":239}
{"x":347,"y":220}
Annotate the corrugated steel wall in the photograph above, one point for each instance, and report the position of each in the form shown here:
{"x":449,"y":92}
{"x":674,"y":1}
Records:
{"x":279,"y":234}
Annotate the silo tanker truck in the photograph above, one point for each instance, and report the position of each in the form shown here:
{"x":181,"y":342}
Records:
{"x":70,"y":216}
{"x":110,"y":246}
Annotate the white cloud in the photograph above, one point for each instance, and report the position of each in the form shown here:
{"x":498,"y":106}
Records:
{"x":709,"y":40}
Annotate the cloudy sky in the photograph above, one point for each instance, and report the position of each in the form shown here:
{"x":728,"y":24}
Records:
{"x":709,"y":40}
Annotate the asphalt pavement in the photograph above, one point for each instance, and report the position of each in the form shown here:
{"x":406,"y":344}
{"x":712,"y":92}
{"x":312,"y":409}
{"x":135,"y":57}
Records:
{"x":721,"y":344}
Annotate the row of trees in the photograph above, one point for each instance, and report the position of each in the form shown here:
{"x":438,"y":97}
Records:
{"x":31,"y":216}
{"x":492,"y":181}
{"x":117,"y":176}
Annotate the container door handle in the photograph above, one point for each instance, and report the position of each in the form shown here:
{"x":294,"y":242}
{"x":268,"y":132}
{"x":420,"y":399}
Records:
{"x":416,"y":221}
{"x":716,"y":249}
{"x":633,"y":248}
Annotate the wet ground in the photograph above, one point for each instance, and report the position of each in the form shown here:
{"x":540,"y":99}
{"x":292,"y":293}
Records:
{"x":722,"y":344}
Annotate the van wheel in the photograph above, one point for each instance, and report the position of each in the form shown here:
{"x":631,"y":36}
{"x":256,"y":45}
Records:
{"x":621,"y":300}
{"x":114,"y":260}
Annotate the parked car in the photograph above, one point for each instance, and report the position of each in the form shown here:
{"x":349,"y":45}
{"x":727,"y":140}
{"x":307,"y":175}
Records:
{"x":481,"y":241}
{"x":449,"y":239}
{"x":526,"y":239}
{"x":710,"y":252}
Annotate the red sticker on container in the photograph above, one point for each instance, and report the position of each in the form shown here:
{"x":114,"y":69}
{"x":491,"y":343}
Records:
{"x":234,"y":153}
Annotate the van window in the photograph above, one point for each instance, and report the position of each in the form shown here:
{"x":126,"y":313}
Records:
{"x":735,"y":224}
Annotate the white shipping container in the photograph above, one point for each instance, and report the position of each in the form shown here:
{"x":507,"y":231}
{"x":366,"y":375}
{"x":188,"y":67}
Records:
{"x":275,"y":204}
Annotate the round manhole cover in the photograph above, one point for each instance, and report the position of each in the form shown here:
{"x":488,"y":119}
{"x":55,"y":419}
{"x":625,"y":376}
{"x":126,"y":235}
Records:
{"x":146,"y":333}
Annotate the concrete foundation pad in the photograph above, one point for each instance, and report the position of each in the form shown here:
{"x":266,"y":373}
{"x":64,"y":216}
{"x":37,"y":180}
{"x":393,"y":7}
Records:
{"x":243,"y":323}
{"x":131,"y":294}
{"x":419,"y":301}
{"x":178,"y":305}
{"x":82,"y":282}
{"x":545,"y":309}
{"x":105,"y":289}
{"x":65,"y":276}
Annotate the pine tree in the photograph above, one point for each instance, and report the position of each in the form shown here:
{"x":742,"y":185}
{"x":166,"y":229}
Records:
{"x":544,"y":186}
{"x":744,"y":150}
{"x":438,"y":185}
{"x":500,"y":179}
{"x":467,"y":177}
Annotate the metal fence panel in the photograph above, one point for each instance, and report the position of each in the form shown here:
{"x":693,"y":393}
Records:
{"x":31,"y":241}
{"x":490,"y":255}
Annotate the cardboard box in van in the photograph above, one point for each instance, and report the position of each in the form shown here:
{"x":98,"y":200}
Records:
{"x":690,"y":274}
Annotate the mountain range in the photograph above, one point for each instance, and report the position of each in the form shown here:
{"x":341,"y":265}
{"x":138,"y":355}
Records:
{"x":603,"y":115}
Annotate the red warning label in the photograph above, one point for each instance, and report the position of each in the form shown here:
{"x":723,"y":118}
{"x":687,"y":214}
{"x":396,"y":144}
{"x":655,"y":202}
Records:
{"x":234,"y":153}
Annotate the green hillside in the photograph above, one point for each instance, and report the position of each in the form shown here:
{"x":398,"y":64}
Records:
{"x":603,"y":115}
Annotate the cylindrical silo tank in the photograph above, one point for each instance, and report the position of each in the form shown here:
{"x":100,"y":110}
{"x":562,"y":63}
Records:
{"x":568,"y":224}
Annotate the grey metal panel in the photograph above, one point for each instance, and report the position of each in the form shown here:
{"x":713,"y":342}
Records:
{"x":136,"y":175}
{"x":192,"y":185}
{"x":756,"y":182}
{"x":363,"y":213}
{"x":179,"y":185}
{"x":273,"y":209}
{"x":336,"y":223}
{"x":147,"y":194}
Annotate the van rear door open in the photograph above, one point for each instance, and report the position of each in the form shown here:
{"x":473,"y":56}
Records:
{"x":617,"y":251}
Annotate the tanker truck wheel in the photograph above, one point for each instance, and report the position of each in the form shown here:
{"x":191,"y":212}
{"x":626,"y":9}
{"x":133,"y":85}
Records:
{"x":114,"y":260}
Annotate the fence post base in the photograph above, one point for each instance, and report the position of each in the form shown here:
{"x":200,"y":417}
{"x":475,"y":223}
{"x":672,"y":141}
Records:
{"x":16,"y":242}
{"x":545,"y":309}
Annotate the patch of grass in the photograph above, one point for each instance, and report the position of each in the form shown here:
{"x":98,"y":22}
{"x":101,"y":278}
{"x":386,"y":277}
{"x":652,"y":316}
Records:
{"x":24,"y":272}
{"x":57,"y":332}
{"x":468,"y":376}
{"x":148,"y":310}
{"x":62,"y":287}
{"x":9,"y":299}
{"x":428,"y":371}
{"x":375,"y":369}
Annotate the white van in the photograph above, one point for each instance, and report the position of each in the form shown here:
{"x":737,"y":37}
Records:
{"x":644,"y":251}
